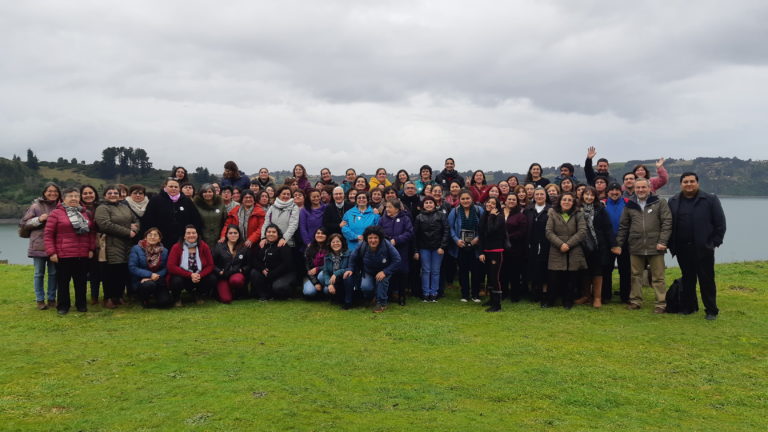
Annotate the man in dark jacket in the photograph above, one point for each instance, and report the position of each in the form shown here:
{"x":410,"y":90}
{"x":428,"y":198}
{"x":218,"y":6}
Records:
{"x":448,"y":175}
{"x":645,"y":227}
{"x":698,"y":227}
{"x":335,"y":210}
{"x":233,"y":177}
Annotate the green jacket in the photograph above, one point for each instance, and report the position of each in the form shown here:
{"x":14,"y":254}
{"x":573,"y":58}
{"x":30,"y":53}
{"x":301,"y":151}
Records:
{"x":213,"y":217}
{"x":114,"y":221}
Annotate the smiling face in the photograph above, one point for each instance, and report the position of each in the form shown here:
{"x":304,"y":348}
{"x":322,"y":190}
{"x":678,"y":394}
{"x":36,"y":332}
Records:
{"x":298,"y":171}
{"x":180,"y":173}
{"x":642,"y":189}
{"x":376,"y":196}
{"x":465,"y":200}
{"x":264,"y":199}
{"x":428,"y":205}
{"x":493,"y":192}
{"x":540,"y":197}
{"x":588,"y":197}
{"x":428,"y":190}
{"x":314,"y":199}
{"x":689,"y":185}
{"x":566,"y":202}
{"x":72,"y":199}
{"x":264,"y":174}
{"x":455,"y":188}
{"x":298,"y":198}
{"x":208,"y":195}
{"x":51,"y":193}
{"x":361,"y":200}
{"x":641,"y":172}
{"x":353,"y":196}
{"x":271,"y":234}
{"x":511,"y":201}
{"x":437,"y":192}
{"x":137,"y":196}
{"x":285,"y":195}
{"x":247,"y":201}
{"x":529,"y":188}
{"x":336,"y":244}
{"x":410,"y":190}
{"x":504,"y":187}
{"x":360,"y":184}
{"x":490,"y":204}
{"x":535,"y":171}
{"x":390,"y":194}
{"x":190,"y":235}
{"x":320,"y":236}
{"x":602,"y":167}
{"x":152,"y":237}
{"x":391,"y":210}
{"x":112,"y":195}
{"x":236,"y":196}
{"x":566,"y":185}
{"x":350,"y":175}
{"x":89,"y":195}
{"x":449,"y":164}
{"x":381,"y":175}
{"x":373,"y":241}
{"x":478,"y":177}
{"x":338,"y":195}
{"x":325,"y":175}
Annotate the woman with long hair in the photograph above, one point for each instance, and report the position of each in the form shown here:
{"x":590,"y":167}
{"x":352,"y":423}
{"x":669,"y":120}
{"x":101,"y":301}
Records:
{"x":401,"y":178}
{"x":212,"y":213}
{"x":335,"y":265}
{"x":249,"y":217}
{"x":148,"y":266}
{"x":493,"y":237}
{"x":597,"y":245}
{"x":515,"y":250}
{"x":300,"y":173}
{"x":464,"y":222}
{"x":272,"y":266}
{"x":89,"y":200}
{"x":534,"y":175}
{"x":310,"y":217}
{"x":32,"y":225}
{"x":231,"y":261}
{"x":314,"y":259}
{"x":565,"y":231}
{"x":478,"y":186}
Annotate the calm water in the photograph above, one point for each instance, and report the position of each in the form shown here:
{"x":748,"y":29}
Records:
{"x":741,"y":239}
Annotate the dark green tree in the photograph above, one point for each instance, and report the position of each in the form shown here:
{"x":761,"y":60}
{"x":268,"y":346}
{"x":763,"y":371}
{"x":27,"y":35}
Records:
{"x":32,"y":161}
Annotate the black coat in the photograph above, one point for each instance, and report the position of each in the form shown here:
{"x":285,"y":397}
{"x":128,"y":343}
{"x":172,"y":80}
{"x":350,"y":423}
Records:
{"x":538,"y":245}
{"x":230,"y":264}
{"x":278,"y":260}
{"x":517,"y":233}
{"x":171,"y":218}
{"x":432,"y":231}
{"x":493,"y":231}
{"x":332,"y":216}
{"x":445,"y":178}
{"x":708,"y":220}
{"x":604,"y":230}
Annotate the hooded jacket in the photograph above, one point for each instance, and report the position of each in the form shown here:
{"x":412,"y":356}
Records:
{"x":399,"y":229}
{"x":285,"y":215}
{"x":31,"y":221}
{"x":357,"y":221}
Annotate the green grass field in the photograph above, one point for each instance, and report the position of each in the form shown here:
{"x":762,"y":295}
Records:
{"x":309,"y":366}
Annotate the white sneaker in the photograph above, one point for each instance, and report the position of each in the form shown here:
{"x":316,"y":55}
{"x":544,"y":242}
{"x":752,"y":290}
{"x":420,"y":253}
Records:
{"x":426,"y":300}
{"x":476,"y":300}
{"x":464,"y":300}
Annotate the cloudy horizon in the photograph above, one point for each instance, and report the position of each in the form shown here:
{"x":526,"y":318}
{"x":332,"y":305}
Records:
{"x":386,"y":83}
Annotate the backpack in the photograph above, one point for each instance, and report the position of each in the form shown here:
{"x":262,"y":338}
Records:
{"x":675,"y":296}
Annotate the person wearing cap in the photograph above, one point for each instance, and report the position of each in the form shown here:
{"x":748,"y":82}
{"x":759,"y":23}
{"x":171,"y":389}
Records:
{"x":645,"y":227}
{"x":614,"y":206}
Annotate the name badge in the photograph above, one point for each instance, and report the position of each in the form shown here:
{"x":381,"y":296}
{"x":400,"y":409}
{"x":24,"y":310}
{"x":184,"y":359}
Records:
{"x":181,"y":208}
{"x":218,"y":211}
{"x":650,"y":210}
{"x":240,"y":256}
{"x":397,"y":220}
{"x":384,"y":261}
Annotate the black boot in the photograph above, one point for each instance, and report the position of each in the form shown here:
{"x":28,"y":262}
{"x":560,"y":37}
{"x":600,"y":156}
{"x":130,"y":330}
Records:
{"x":495,"y":302}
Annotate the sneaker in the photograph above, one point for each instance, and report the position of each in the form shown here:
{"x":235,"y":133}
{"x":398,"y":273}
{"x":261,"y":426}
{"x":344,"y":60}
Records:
{"x":426,"y":299}
{"x":658,"y":310}
{"x":710,"y":317}
{"x":463,"y":300}
{"x":379,"y":309}
{"x":476,"y":300}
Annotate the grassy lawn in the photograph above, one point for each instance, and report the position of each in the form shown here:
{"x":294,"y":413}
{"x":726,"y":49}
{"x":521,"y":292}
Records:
{"x":309,"y":366}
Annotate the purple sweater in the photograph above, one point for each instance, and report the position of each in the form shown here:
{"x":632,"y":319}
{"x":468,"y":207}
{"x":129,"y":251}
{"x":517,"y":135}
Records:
{"x":309,"y":222}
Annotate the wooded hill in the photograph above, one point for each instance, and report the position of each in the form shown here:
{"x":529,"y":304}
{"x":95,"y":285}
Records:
{"x":22,"y":181}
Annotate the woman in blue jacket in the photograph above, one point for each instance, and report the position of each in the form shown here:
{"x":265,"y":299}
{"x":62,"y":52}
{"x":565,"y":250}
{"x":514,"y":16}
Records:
{"x":332,"y":276}
{"x":147,"y":264}
{"x":357,"y":219}
{"x":464,"y":222}
{"x":373,"y":264}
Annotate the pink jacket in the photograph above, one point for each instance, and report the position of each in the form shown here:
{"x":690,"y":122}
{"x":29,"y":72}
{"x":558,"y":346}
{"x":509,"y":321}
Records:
{"x":660,"y":180}
{"x":61,"y":239}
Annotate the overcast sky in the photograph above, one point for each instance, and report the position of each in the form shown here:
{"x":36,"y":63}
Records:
{"x":496,"y":85}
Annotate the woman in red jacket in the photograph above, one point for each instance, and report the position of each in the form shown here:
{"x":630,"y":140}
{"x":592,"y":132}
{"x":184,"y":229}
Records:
{"x":70,"y":240}
{"x":248,"y":216}
{"x":190,"y":267}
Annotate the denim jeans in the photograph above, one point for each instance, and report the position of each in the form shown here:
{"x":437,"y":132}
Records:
{"x":430,"y":271}
{"x":309,"y":288}
{"x":39,"y":279}
{"x":368,"y":284}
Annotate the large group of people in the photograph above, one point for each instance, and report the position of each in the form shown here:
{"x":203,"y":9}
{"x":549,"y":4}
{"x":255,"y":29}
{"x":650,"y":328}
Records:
{"x":366,"y":240}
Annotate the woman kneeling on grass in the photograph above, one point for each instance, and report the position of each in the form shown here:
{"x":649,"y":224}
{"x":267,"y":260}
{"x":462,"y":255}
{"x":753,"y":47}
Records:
{"x":231,"y":259}
{"x":70,"y":240}
{"x":190,"y":267}
{"x":336,"y":264}
{"x":272,"y":272}
{"x":147,"y":265}
{"x":314,"y":258}
{"x":375,"y":260}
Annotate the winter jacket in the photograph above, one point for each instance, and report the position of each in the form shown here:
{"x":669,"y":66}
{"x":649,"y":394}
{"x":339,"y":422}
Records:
{"x":174,"y":261}
{"x":492,"y":232}
{"x":31,"y":220}
{"x":114,"y":220}
{"x":137,"y":265}
{"x":373,"y":183}
{"x":304,"y":184}
{"x":229,"y":263}
{"x":454,"y":224}
{"x":400,"y":229}
{"x":278,"y":260}
{"x":431,"y":231}
{"x":213,"y":217}
{"x":591,"y":175}
{"x":365,"y":260}
{"x":570,"y":232}
{"x":411,"y":204}
{"x":343,"y":265}
{"x":444,"y":178}
{"x":478,"y":191}
{"x":171,"y":218}
{"x":255,"y":223}
{"x":614,"y":209}
{"x":285,"y":215}
{"x":332,"y":216}
{"x":538,"y":245}
{"x":309,"y":221}
{"x":62,"y":240}
{"x":517,"y":234}
{"x":264,"y":184}
{"x":242,"y":181}
{"x":314,"y":260}
{"x":708,"y":220}
{"x":642,"y":229}
{"x":357,"y":222}
{"x":606,"y":239}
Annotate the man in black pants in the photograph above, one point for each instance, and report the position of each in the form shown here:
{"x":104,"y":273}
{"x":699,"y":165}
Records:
{"x":698,"y":227}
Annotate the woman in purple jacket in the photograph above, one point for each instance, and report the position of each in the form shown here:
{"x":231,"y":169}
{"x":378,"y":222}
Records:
{"x":398,"y":230}
{"x":310,"y":217}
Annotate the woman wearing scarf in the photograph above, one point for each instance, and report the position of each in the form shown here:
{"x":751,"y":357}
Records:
{"x":89,"y":200}
{"x":464,"y":222}
{"x":249,"y":217}
{"x":212,"y":213}
{"x":190,"y":267}
{"x":33,"y":226}
{"x":119,"y":226}
{"x":231,"y":260}
{"x":147,"y":264}
{"x":137,"y":201}
{"x":565,"y":231}
{"x":70,"y":240}
{"x":170,"y":211}
{"x":597,"y":246}
{"x":285,"y":215}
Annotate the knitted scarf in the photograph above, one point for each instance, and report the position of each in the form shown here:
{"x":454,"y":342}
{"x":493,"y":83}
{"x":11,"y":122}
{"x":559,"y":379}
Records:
{"x":589,"y":216}
{"x":243,"y":214}
{"x":470,"y":222}
{"x":153,"y":253}
{"x":138,"y":208}
{"x":76,"y":218}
